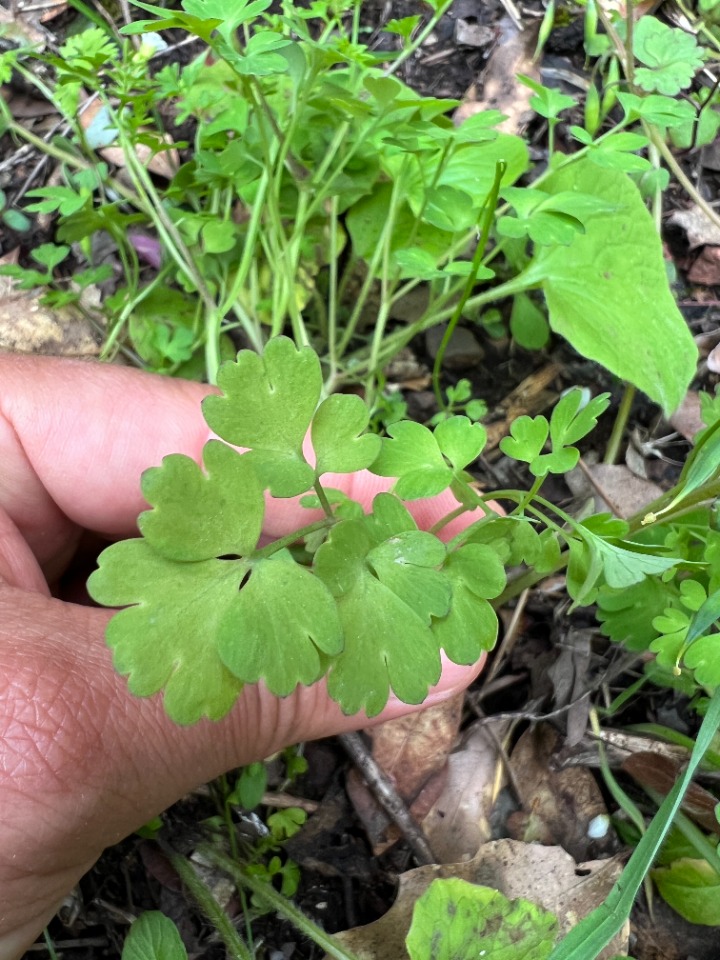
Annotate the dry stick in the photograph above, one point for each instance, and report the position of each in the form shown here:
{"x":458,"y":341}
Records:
{"x":511,"y":634}
{"x":388,"y":797}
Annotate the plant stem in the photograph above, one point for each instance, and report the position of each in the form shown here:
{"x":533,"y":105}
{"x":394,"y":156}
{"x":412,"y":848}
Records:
{"x":284,"y":907}
{"x":488,"y":215}
{"x":680,"y":176}
{"x":49,"y":944}
{"x":324,"y":502}
{"x":420,"y":38}
{"x":621,"y":420}
{"x":264,"y":552}
{"x":237,"y":950}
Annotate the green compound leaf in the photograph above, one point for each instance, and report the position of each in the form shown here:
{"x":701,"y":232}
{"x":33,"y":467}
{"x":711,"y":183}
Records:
{"x":626,"y":615}
{"x":153,"y":936}
{"x":276,"y":628}
{"x":164,"y":639}
{"x":425,"y":462}
{"x":671,"y":57}
{"x":607,"y":293}
{"x":198,"y":515}
{"x":621,"y":564}
{"x":338,"y":437}
{"x":268,"y":404}
{"x":381,"y":571}
{"x":476,"y":575}
{"x":692,"y":888}
{"x":457,"y":920}
{"x":570,"y":423}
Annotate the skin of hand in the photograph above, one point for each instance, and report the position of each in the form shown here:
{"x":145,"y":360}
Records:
{"x":82,"y":762}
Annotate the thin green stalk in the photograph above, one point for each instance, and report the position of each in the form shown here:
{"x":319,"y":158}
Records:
{"x":372,"y":268}
{"x":49,"y":944}
{"x":621,"y":420}
{"x":529,"y":496}
{"x":616,"y":791}
{"x":202,"y":895}
{"x":449,"y":517}
{"x":292,"y":538}
{"x":419,"y":39}
{"x":285,"y":908}
{"x":235,"y":854}
{"x":324,"y":502}
{"x":680,"y":176}
{"x":399,"y":338}
{"x":332,"y":303}
{"x":486,"y":224}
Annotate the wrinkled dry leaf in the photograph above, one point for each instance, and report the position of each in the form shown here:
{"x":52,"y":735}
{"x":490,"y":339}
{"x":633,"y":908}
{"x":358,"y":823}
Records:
{"x":24,"y":107}
{"x":706,"y":269}
{"x":620,"y":490}
{"x":686,"y":419}
{"x":459,"y":822}
{"x":501,"y":90}
{"x":713,"y":360}
{"x":28,"y":327}
{"x":569,"y":678}
{"x":469,"y":33}
{"x":699,"y":228}
{"x":22,"y":28}
{"x":660,"y":773}
{"x":546,"y":876}
{"x":413,"y":752}
{"x":558,"y":805}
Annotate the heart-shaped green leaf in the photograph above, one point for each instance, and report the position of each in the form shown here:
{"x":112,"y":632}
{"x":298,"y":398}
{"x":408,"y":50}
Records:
{"x":412,"y":454}
{"x":475,"y":574}
{"x":426,"y":462}
{"x":198,"y":515}
{"x":528,"y":436}
{"x":338,"y":437}
{"x":267,"y":405}
{"x":460,"y":440}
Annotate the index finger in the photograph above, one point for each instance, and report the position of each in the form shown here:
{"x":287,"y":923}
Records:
{"x":75,"y":438}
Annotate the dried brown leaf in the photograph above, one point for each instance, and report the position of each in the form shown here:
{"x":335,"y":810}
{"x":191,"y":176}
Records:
{"x":546,"y":876}
{"x":413,"y":752}
{"x":557,"y":804}
{"x":459,"y":822}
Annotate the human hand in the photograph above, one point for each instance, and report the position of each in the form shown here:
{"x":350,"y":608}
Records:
{"x":82,"y":762}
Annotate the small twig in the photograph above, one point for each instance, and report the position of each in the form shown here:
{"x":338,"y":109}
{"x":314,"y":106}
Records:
{"x":388,"y":797}
{"x":283,"y":801}
{"x":512,"y":11}
{"x":610,"y":674}
{"x":79,"y":943}
{"x":511,"y":634}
